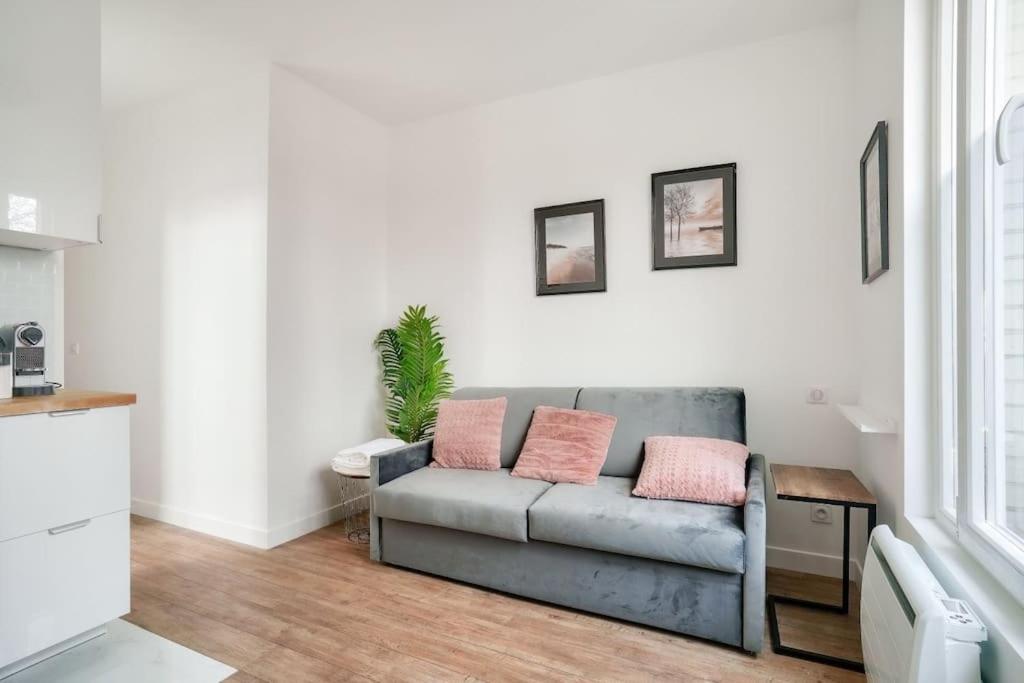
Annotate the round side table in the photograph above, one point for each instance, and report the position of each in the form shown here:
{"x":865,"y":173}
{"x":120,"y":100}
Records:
{"x":355,"y":501}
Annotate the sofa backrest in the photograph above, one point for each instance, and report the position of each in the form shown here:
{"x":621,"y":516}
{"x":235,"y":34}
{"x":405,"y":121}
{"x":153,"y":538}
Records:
{"x":519,"y":412}
{"x":716,"y":412}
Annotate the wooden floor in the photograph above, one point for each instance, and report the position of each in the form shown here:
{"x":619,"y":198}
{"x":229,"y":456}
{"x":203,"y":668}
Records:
{"x":317,"y":609}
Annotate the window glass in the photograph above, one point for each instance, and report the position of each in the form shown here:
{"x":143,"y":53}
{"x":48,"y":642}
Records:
{"x":1009,"y":476}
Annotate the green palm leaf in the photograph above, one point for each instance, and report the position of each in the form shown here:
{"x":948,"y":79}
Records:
{"x":415,"y":374}
{"x":390,"y":357}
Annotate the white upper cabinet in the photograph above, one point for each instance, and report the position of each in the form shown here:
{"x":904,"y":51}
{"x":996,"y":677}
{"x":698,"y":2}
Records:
{"x":50,"y":167}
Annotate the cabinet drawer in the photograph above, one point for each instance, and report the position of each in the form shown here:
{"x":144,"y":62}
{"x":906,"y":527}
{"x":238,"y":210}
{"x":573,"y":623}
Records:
{"x":54,"y":586}
{"x":57,"y":468}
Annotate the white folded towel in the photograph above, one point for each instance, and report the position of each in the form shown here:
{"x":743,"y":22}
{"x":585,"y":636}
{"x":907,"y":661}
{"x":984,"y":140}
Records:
{"x":357,"y":458}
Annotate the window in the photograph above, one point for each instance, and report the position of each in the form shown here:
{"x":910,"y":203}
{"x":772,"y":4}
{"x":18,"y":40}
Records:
{"x":980,"y":160}
{"x":1010,"y":219}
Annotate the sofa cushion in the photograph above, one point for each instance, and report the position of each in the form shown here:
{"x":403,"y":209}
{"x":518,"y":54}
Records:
{"x":606,"y":517}
{"x":521,"y":402}
{"x":479,"y":501}
{"x":565,"y":445}
{"x":717,"y":413}
{"x":468,"y":434}
{"x":693,"y":468}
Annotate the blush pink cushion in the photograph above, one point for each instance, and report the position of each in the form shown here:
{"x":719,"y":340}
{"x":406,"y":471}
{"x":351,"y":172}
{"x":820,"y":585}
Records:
{"x":695,"y":469}
{"x":468,"y":434}
{"x":565,"y":446}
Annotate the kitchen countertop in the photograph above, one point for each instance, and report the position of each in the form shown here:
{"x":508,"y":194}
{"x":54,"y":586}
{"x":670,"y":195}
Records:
{"x":63,"y":399}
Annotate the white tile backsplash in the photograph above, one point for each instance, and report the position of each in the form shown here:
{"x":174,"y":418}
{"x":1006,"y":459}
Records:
{"x":28,"y":288}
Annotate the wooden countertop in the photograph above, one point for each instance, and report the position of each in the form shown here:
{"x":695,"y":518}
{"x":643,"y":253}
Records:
{"x":819,"y":484}
{"x":63,"y":399}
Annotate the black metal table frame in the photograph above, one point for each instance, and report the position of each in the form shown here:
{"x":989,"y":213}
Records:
{"x":844,"y":608}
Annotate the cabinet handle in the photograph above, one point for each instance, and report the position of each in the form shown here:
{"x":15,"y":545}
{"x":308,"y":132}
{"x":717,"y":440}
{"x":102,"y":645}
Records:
{"x":68,"y":527}
{"x":67,"y":413}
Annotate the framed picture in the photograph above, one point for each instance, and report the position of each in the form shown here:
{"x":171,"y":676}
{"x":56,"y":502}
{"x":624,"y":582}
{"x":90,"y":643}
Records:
{"x":874,"y":205}
{"x":693,"y":217}
{"x":570,"y":248}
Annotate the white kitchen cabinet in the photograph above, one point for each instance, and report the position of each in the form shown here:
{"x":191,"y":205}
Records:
{"x":57,"y":584}
{"x":65,"y":565}
{"x":60,"y":467}
{"x":50,"y":134}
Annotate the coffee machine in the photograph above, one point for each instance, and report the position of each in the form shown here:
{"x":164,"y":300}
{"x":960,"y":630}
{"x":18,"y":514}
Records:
{"x":27,"y":342}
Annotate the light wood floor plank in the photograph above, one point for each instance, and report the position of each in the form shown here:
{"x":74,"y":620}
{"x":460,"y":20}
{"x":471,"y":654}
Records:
{"x":207,"y":636}
{"x":347,"y":624}
{"x":318,"y":609}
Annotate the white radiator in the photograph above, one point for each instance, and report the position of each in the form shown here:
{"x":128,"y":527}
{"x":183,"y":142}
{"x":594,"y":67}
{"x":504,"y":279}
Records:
{"x":911,"y":630}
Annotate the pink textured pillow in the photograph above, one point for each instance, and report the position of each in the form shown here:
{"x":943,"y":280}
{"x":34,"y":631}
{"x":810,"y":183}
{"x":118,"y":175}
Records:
{"x":693,"y":468}
{"x":565,"y":446}
{"x":468,"y":434}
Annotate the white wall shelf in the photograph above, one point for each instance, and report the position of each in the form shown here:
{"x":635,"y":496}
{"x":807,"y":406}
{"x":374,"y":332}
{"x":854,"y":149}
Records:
{"x":867,"y":422}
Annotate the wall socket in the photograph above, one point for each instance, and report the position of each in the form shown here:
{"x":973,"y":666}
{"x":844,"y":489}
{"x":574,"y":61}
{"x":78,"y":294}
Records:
{"x":821,"y":514}
{"x":817,"y":395}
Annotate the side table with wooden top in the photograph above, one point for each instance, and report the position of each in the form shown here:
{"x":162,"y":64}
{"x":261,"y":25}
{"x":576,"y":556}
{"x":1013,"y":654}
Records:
{"x":825,"y":486}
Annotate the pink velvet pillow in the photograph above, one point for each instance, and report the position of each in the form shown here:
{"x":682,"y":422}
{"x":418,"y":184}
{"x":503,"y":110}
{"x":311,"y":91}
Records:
{"x":565,"y":446}
{"x":468,"y":434}
{"x":695,"y":469}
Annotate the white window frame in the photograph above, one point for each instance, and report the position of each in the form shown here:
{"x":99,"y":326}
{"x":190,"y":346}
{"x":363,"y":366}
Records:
{"x":944,"y":284}
{"x":968,"y":198}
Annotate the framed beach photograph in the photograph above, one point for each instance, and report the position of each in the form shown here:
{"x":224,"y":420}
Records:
{"x":693,"y":217}
{"x":570,"y":248}
{"x":874,"y":205}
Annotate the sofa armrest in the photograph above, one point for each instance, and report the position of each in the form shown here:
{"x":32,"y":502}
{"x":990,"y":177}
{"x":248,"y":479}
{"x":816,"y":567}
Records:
{"x":389,"y":466}
{"x":754,"y":527}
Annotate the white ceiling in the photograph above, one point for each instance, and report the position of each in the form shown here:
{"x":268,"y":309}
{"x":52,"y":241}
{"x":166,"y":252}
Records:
{"x":400,"y":60}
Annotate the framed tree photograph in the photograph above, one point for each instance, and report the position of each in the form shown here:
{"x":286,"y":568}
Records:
{"x":693,"y":217}
{"x":874,"y":205}
{"x":570,"y":248}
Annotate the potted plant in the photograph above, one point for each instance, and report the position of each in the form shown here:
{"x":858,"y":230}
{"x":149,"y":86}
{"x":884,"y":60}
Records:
{"x":414,"y":372}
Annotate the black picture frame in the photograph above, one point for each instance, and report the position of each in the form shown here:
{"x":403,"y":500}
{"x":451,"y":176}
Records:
{"x":877,"y":143}
{"x":728,"y":257}
{"x":540,"y":218}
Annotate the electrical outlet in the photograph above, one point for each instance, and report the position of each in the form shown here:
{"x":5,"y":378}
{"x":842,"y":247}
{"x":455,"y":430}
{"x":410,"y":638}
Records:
{"x":821,"y":514}
{"x":817,"y":395}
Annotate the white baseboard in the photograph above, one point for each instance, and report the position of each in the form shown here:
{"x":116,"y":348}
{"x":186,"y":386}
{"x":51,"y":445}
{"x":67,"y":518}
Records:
{"x":301,"y":527}
{"x":232,"y":531}
{"x":205,"y":524}
{"x":811,"y":563}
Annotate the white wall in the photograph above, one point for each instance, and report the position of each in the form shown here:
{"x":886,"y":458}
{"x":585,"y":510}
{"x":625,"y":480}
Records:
{"x":878,"y":311}
{"x":325,"y":295}
{"x":237,"y":292}
{"x":921,"y":440}
{"x":461,"y":241}
{"x":173,"y":305}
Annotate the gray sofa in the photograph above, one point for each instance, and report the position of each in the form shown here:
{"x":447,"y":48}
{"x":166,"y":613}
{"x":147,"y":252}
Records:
{"x":687,"y":567}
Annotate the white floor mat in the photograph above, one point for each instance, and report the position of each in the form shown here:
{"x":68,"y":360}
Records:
{"x":126,"y":653}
